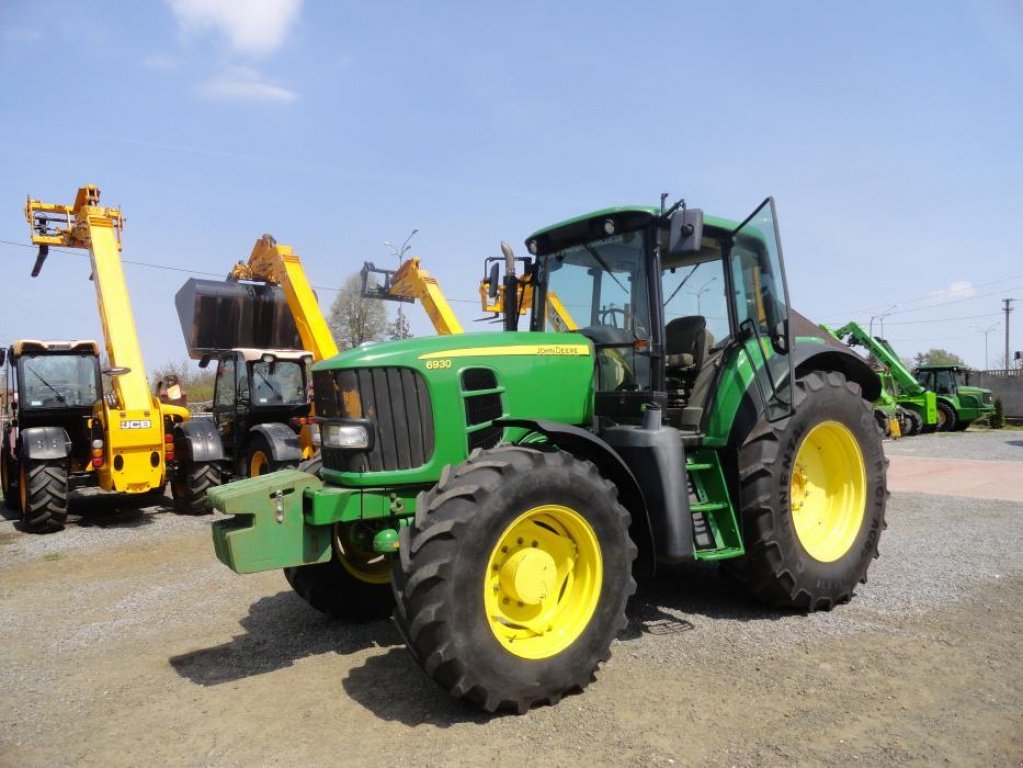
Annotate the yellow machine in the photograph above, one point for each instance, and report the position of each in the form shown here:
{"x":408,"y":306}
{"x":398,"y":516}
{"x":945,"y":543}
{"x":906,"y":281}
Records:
{"x":408,"y":283}
{"x":263,"y":327}
{"x":131,"y":431}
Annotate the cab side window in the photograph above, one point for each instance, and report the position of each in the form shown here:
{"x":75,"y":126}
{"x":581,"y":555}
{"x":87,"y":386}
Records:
{"x":224,"y":387}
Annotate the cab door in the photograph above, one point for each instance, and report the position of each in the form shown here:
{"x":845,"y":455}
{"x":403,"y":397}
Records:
{"x":760,"y":303}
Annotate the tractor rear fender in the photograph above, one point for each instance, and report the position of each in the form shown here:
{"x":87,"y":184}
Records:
{"x":283,"y":442}
{"x":583,"y":444}
{"x":198,"y":441}
{"x":816,"y":357}
{"x":41,"y":443}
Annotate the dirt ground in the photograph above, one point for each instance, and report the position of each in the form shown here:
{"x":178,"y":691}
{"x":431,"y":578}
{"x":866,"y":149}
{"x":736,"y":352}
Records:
{"x":124,"y":642}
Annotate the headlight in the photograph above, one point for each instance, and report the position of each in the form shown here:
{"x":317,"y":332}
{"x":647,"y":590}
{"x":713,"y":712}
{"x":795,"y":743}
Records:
{"x":350,"y":436}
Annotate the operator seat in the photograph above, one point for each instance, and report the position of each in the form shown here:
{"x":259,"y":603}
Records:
{"x":686,"y":343}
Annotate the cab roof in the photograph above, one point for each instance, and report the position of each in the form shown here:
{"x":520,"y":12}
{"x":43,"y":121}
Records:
{"x":73,"y":346}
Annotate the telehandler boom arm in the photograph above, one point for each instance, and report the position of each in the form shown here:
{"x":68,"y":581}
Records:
{"x":854,"y":335}
{"x":408,"y":283}
{"x":88,"y":225}
{"x":278,"y":264}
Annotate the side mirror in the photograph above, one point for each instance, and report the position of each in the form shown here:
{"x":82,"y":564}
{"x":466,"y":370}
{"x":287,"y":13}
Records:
{"x":3,"y":356}
{"x":685,"y":231}
{"x":205,"y":361}
{"x":780,"y":339}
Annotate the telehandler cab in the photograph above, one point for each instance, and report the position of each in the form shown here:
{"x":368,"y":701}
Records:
{"x":263,"y":327}
{"x":498,"y":491}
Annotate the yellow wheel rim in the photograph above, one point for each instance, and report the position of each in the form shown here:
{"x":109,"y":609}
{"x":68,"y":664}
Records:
{"x":369,"y":567}
{"x":259,"y":464}
{"x":543,"y":581}
{"x":828,"y":491}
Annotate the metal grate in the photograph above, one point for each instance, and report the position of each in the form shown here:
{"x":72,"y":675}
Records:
{"x":475,"y":379}
{"x":396,"y":400}
{"x":482,"y":409}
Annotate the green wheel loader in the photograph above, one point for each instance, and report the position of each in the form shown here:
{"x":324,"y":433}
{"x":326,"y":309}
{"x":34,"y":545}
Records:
{"x":499,"y":492}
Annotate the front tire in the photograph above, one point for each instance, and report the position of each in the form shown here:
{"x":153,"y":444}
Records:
{"x":189,"y":488}
{"x":947,"y":420}
{"x":813,"y":494}
{"x":511,"y":583}
{"x":259,"y":459}
{"x":353,"y":585}
{"x":43,"y":492}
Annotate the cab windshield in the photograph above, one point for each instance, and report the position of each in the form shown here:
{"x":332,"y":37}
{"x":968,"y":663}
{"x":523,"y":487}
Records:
{"x":599,"y":289}
{"x":278,"y":383}
{"x":58,"y":381}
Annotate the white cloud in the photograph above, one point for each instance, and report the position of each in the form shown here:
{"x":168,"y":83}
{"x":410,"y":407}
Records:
{"x":244,"y":84}
{"x":254,"y":27}
{"x":960,"y":289}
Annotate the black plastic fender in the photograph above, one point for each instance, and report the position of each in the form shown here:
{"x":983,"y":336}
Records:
{"x":818,"y":357}
{"x":281,"y":438}
{"x":198,"y":441}
{"x":41,"y":443}
{"x":585,"y":445}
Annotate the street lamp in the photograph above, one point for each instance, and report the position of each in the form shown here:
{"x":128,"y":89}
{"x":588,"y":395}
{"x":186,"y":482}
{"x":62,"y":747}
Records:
{"x":699,"y":292}
{"x":881,"y":316}
{"x":985,"y":331}
{"x":399,"y":253}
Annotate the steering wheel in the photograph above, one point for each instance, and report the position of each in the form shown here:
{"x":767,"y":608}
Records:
{"x":608,"y":314}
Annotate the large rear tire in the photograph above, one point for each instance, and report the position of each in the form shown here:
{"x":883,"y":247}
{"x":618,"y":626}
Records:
{"x":813,"y":494}
{"x":189,"y":488}
{"x":511,"y":583}
{"x":353,"y":585}
{"x":43,"y":492}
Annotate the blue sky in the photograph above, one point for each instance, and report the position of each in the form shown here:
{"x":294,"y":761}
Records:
{"x":889,"y":134}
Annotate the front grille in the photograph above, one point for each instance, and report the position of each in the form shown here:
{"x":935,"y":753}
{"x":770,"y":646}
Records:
{"x":482,"y":409}
{"x":395,"y":400}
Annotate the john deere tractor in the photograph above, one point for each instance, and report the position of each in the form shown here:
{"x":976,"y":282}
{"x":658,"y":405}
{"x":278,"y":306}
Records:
{"x":499,"y":491}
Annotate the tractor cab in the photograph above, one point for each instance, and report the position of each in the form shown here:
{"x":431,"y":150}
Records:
{"x":261,"y":405}
{"x":664,"y":297}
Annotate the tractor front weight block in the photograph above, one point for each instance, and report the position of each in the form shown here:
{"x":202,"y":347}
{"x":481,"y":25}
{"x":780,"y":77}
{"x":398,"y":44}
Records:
{"x":268,"y":529}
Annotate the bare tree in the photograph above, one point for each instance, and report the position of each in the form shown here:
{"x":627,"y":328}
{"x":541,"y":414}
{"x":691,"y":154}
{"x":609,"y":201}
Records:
{"x":355,"y":319}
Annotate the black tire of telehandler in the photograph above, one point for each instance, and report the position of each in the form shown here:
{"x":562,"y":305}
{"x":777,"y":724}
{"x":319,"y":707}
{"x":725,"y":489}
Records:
{"x":916,"y":422}
{"x":260,"y":457}
{"x":438,"y":577}
{"x":776,"y":568}
{"x":950,"y":419}
{"x":331,"y":589}
{"x":43,"y":495}
{"x":8,"y":475}
{"x":962,"y":426}
{"x":883,"y":425}
{"x":189,"y":489}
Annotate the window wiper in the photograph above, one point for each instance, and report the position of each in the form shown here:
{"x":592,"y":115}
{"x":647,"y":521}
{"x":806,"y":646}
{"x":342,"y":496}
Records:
{"x":60,"y":397}
{"x":603,"y":265}
{"x":681,"y":285}
{"x":268,"y":383}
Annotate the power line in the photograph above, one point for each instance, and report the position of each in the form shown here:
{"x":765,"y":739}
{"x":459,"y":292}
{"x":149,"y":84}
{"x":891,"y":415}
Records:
{"x":165,"y":267}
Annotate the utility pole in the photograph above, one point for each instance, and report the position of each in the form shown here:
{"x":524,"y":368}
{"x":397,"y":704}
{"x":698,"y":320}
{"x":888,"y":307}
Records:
{"x":1007,"y":308}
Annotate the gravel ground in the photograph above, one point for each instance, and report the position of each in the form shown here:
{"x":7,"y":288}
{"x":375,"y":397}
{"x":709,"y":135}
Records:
{"x":126,"y":642}
{"x":975,"y":443}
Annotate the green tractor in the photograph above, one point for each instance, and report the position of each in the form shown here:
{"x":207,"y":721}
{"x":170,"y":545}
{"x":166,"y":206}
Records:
{"x":499,"y":491}
{"x":959,"y":404}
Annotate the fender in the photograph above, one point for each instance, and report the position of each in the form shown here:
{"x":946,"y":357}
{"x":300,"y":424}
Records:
{"x":281,"y":438}
{"x":818,"y":357}
{"x":586,"y":445}
{"x":41,"y":443}
{"x":197,"y":440}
